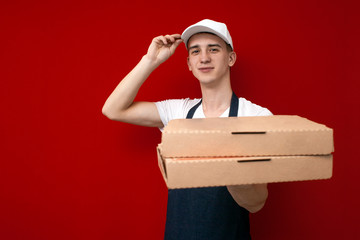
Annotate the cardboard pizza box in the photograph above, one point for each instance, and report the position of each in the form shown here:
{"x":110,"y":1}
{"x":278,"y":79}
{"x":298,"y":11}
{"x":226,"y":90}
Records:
{"x":244,"y":150}
{"x":245,"y":136}
{"x":210,"y":172}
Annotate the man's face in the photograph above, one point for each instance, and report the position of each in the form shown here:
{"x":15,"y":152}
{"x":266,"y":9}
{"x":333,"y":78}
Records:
{"x":209,"y":58}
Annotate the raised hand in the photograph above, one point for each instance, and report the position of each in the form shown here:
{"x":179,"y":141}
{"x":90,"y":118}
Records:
{"x":162,"y":47}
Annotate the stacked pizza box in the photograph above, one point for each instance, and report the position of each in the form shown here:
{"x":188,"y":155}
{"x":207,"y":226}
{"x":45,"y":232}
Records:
{"x":244,"y":150}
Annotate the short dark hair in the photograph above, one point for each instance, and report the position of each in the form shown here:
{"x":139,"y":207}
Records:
{"x":229,"y":48}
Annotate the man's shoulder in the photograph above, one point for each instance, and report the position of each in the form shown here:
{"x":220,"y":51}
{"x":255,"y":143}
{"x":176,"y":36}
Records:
{"x":248,"y":108}
{"x":181,"y":102}
{"x":175,"y":108}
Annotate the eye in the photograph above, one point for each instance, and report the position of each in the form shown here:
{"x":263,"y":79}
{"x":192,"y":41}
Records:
{"x":195,"y":51}
{"x":213,"y":50}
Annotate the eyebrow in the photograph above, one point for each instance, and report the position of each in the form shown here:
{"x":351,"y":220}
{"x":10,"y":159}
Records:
{"x":214,"y":45}
{"x":209,"y":45}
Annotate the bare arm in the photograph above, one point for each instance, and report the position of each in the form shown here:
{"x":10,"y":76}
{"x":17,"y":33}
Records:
{"x":120,"y":105}
{"x":251,"y":197}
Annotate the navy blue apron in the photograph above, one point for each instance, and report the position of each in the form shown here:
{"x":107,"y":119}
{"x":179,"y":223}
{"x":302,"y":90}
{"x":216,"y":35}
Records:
{"x":206,"y":213}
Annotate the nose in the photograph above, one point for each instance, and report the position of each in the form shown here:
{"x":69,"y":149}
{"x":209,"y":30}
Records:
{"x":205,"y":57}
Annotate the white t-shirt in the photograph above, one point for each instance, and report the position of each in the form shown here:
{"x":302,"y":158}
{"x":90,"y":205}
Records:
{"x":179,"y":108}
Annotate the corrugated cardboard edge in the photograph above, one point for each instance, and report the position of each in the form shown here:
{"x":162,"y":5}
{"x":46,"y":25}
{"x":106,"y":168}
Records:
{"x":176,"y":165}
{"x":253,"y":123}
{"x":235,"y":184}
{"x":162,"y":166}
{"x":226,"y":132}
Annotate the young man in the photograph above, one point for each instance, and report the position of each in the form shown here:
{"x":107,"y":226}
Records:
{"x":199,"y":213}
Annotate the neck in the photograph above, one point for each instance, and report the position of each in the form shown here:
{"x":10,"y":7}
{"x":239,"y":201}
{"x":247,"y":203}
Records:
{"x":216,"y":100}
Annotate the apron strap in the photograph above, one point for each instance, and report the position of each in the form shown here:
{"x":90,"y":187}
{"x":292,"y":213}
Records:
{"x":234,"y":107}
{"x":191,"y":112}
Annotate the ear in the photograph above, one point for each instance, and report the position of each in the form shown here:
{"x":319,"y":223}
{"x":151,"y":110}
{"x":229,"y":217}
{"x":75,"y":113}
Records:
{"x":188,"y":63}
{"x":232,"y":58}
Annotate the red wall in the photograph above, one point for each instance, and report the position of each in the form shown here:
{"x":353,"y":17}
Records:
{"x":67,"y":172}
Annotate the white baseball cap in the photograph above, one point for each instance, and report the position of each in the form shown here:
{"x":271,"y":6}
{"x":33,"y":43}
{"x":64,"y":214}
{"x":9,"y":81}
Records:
{"x":208,"y":26}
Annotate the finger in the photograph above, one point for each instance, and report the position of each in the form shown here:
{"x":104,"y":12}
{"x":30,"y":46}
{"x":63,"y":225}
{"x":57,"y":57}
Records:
{"x":176,"y":44}
{"x":176,"y":36}
{"x":167,"y":39}
{"x":163,"y":40}
{"x":160,"y":40}
{"x":170,"y":38}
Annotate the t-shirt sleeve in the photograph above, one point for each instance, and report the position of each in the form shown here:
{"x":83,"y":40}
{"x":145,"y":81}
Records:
{"x":247,"y":108}
{"x":265,"y":112}
{"x":174,"y":109}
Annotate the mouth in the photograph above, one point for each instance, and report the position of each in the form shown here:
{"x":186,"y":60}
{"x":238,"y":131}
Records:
{"x":205,"y":69}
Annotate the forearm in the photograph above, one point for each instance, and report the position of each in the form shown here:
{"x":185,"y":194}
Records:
{"x":120,"y":104}
{"x":251,"y":197}
{"x":124,"y":94}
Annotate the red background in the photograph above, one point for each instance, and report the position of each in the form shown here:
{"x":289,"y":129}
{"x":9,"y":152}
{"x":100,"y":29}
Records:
{"x":67,"y":172}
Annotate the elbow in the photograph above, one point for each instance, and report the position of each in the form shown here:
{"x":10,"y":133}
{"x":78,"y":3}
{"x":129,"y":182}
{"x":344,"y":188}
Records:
{"x":256,"y":208}
{"x":251,"y":197}
{"x":113,"y":114}
{"x":105,"y":111}
{"x":258,"y":204}
{"x":108,"y":113}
